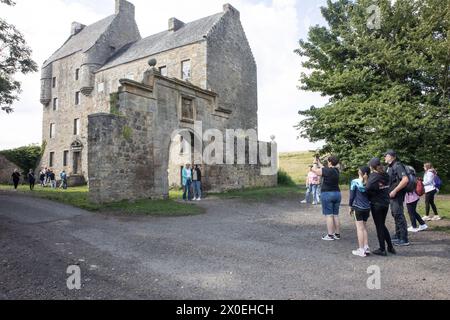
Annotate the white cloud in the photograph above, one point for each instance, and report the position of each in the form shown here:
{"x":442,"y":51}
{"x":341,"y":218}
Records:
{"x":273,"y":29}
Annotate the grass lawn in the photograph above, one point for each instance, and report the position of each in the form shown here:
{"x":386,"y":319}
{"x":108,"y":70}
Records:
{"x":78,"y":197}
{"x":296,"y":164}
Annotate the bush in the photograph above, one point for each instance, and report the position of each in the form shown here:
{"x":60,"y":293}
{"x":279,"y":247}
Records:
{"x":24,"y":157}
{"x":285,"y":179}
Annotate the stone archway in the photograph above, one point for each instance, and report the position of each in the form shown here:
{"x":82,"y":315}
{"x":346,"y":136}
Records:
{"x":77,"y":148}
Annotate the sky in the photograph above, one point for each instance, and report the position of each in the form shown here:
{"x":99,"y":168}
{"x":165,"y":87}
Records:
{"x":273,"y":28}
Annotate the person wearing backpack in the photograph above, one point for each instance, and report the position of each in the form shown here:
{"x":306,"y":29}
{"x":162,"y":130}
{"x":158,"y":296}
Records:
{"x":430,"y":191}
{"x":411,"y":200}
{"x":398,"y":181}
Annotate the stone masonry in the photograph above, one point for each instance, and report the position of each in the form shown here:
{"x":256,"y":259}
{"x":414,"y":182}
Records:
{"x":99,"y":71}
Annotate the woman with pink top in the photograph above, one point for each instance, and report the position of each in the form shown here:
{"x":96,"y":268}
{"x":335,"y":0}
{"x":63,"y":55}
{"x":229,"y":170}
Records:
{"x":411,"y":200}
{"x":312,"y":185}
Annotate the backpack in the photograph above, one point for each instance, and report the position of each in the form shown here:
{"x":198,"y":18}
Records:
{"x":412,"y":179}
{"x":420,"y":188}
{"x":437,"y":182}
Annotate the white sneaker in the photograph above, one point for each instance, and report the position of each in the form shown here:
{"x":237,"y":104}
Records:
{"x":367,"y":251}
{"x":328,"y":238}
{"x":304,"y":201}
{"x":411,"y":229}
{"x":426,"y":218}
{"x":423,"y":228}
{"x":359,"y":252}
{"x":199,"y":199}
{"x":436,"y":218}
{"x":194,"y":199}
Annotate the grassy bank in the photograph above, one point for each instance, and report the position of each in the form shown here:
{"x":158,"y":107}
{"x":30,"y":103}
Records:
{"x":78,"y":197}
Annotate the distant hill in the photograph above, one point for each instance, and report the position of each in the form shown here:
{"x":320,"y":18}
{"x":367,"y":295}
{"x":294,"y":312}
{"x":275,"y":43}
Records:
{"x":296,"y":164}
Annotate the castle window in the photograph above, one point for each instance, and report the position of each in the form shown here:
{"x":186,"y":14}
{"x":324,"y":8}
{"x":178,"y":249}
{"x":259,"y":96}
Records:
{"x":187,"y":109}
{"x":77,"y":74}
{"x":101,"y":87}
{"x":77,"y":98}
{"x":51,"y":159}
{"x":65,"y":158}
{"x":54,"y":82}
{"x":76,"y":127}
{"x":52,"y":130}
{"x":186,"y":70}
{"x":55,"y":104}
{"x":163,"y":71}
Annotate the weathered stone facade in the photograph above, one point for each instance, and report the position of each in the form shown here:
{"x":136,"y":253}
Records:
{"x":6,"y":170}
{"x":102,"y":123}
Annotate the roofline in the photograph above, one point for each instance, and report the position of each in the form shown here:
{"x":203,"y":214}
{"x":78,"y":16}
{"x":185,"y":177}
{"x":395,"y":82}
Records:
{"x":159,"y":52}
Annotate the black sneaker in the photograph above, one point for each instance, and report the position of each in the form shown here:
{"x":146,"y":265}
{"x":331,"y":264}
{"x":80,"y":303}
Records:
{"x":380,"y":252}
{"x":401,"y":243}
{"x":392,"y":250}
{"x":337,"y":236}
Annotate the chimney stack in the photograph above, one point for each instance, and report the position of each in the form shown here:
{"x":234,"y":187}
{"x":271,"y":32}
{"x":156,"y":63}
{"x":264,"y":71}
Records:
{"x":175,"y":24}
{"x":76,"y":28}
{"x":124,"y":7}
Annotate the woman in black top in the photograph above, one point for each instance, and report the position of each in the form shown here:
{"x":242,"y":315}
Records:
{"x":31,"y":179}
{"x":16,"y":178}
{"x":330,"y":196}
{"x":378,"y":191}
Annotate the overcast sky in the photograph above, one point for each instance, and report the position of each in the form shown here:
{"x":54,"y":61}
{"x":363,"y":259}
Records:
{"x":273,"y":28}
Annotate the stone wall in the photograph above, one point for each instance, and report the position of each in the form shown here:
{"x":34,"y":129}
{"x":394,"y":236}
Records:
{"x":121,"y":149}
{"x":6,"y":170}
{"x":232,"y":70}
{"x":129,"y":152}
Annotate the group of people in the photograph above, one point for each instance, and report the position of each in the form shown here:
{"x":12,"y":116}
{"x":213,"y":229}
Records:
{"x":47,"y":177}
{"x":374,"y":191}
{"x":192,"y":182}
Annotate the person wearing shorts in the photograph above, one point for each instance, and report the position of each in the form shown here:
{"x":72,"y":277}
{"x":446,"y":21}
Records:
{"x":360,"y":209}
{"x":330,"y":196}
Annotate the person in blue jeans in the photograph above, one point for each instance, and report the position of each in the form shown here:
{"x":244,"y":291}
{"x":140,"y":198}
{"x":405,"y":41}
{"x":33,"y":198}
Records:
{"x":187,"y":182}
{"x":330,"y":196}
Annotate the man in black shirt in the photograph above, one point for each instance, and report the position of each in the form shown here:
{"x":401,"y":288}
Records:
{"x":398,"y":180}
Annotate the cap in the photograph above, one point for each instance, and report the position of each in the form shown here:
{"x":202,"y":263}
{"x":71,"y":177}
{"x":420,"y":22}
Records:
{"x":391,"y":153}
{"x":375,"y":162}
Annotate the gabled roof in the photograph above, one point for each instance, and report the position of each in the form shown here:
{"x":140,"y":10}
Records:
{"x":82,"y":41}
{"x":190,"y":33}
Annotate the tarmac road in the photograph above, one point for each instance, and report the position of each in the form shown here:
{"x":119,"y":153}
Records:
{"x":237,"y":250}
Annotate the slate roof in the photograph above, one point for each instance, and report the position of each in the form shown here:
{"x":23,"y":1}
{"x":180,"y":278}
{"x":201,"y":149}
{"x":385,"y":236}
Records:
{"x":190,"y":33}
{"x":82,"y":41}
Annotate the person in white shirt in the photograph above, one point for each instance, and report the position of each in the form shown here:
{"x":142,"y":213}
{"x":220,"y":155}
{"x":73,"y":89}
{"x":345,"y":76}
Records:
{"x":430,"y":192}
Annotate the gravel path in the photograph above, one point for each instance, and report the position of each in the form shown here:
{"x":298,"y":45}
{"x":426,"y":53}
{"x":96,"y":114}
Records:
{"x":237,"y":250}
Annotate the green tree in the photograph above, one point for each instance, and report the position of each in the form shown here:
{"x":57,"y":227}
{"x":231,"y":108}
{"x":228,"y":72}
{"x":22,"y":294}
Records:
{"x":24,"y":157}
{"x":15,"y":56}
{"x":388,"y":87}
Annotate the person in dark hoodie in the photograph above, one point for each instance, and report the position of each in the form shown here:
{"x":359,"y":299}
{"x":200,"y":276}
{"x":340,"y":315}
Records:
{"x":378,"y":191}
{"x":360,"y":209}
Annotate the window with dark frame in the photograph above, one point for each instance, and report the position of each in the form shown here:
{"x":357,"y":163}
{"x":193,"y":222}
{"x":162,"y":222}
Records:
{"x":77,"y":74}
{"x":54,"y":82}
{"x":186,"y":70}
{"x":65,"y":158}
{"x":77,"y":98}
{"x":51,"y":159}
{"x":187,"y":109}
{"x":76,"y":127}
{"x":55,"y":104}
{"x":52,"y":130}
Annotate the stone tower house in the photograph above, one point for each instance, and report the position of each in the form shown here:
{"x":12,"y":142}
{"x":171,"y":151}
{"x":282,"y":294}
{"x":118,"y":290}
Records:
{"x":208,"y":58}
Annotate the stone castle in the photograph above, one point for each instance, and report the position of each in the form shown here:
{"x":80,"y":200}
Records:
{"x":108,"y":115}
